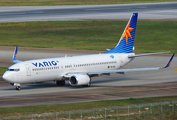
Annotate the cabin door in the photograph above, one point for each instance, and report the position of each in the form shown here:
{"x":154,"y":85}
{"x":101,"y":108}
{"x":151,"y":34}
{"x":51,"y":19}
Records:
{"x":28,"y":71}
{"x":121,"y":61}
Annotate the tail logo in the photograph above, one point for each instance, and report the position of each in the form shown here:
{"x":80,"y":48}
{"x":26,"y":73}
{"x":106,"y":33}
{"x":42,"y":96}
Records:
{"x":112,"y":56}
{"x":16,"y":56}
{"x":126,"y":41}
{"x":127,"y":34}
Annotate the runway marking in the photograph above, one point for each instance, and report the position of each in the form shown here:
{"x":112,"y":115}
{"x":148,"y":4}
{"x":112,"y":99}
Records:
{"x":104,"y":93}
{"x":5,"y":61}
{"x":163,"y":75}
{"x":2,"y":81}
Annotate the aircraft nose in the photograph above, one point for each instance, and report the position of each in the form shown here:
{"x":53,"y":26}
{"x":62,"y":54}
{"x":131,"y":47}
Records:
{"x":6,"y":77}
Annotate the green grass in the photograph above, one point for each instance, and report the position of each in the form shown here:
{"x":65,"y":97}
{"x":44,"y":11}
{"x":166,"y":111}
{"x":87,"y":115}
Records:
{"x":151,"y":36}
{"x":70,"y":2}
{"x":80,"y":106}
{"x":2,"y":70}
{"x":166,"y":116}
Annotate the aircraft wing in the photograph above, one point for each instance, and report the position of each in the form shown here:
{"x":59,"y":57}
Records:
{"x":121,"y":70}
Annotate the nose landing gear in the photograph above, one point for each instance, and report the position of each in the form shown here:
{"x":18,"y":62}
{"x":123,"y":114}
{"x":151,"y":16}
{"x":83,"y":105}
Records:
{"x":18,"y":88}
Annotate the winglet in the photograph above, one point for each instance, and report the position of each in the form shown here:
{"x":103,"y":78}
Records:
{"x":168,"y":64}
{"x":15,"y":56}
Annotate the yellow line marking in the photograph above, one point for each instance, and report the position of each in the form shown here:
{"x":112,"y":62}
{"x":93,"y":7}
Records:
{"x":3,"y":81}
{"x":151,"y":89}
{"x":5,"y":61}
{"x":163,"y":75}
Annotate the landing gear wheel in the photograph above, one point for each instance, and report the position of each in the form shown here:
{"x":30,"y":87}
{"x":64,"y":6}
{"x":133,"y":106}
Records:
{"x":18,"y":88}
{"x":60,"y":83}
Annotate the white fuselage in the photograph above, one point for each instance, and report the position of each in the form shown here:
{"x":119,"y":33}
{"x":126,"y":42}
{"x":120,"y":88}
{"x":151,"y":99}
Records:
{"x":52,"y":69}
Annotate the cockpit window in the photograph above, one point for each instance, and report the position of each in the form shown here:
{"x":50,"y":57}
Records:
{"x":16,"y":70}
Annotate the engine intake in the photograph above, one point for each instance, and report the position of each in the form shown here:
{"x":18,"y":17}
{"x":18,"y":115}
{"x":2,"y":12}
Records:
{"x":79,"y":79}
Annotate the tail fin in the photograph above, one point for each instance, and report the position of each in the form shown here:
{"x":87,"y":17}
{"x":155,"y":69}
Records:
{"x":14,"y":59}
{"x":126,"y":42}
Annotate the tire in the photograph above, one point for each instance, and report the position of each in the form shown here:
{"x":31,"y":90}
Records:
{"x":60,"y":83}
{"x":18,"y":88}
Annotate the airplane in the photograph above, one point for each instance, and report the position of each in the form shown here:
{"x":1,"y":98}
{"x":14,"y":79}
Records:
{"x":79,"y":69}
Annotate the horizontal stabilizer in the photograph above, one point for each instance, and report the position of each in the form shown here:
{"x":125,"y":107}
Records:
{"x":139,"y":55}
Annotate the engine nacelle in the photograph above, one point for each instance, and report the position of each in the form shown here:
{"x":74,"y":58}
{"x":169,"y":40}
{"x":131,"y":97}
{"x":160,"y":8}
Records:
{"x":79,"y":79}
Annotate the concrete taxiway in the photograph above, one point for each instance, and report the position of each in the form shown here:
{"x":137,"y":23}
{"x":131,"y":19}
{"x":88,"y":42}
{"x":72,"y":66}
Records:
{"x":132,"y":84}
{"x":148,"y":11}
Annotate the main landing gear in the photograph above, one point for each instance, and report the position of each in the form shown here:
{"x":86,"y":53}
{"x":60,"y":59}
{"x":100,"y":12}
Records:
{"x":60,"y":83}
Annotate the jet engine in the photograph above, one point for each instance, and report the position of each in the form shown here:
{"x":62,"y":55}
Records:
{"x":79,"y":79}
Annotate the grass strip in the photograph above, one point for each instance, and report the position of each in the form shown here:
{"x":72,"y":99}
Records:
{"x":2,"y":70}
{"x":80,"y":106}
{"x":166,"y":116}
{"x":70,"y":2}
{"x":151,"y":36}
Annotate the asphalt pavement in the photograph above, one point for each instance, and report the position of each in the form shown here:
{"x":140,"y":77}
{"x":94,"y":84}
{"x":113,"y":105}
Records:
{"x":147,"y":11}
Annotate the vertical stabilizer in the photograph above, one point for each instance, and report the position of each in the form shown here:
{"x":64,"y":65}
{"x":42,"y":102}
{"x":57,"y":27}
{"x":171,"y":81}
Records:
{"x":126,"y":42}
{"x":14,"y":58}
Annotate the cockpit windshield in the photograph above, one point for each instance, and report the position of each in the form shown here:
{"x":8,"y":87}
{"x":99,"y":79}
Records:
{"x":16,"y":70}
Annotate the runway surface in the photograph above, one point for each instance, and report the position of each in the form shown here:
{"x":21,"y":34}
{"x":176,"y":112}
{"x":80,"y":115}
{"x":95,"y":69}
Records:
{"x":148,"y":11}
{"x":116,"y":86}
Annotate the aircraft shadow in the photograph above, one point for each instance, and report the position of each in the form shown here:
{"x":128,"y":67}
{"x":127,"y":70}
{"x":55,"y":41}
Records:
{"x":94,"y":83}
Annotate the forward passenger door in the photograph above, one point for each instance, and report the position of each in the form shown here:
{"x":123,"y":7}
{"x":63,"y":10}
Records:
{"x":28,"y":70}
